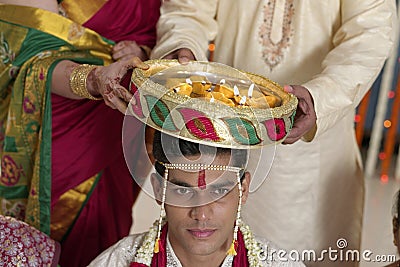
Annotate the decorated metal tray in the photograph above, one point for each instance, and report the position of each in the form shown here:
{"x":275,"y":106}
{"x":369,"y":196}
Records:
{"x":212,"y":103}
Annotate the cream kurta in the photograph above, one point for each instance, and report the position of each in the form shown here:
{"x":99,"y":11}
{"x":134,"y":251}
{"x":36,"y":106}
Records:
{"x":313,"y":194}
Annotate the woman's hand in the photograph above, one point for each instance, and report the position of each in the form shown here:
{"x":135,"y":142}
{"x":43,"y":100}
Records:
{"x":125,"y":50}
{"x":106,"y":81}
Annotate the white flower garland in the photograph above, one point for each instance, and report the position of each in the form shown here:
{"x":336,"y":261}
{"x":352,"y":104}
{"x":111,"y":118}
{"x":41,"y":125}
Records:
{"x":145,"y":253}
{"x":252,"y":246}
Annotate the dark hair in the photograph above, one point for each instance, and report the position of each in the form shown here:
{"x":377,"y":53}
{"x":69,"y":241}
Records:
{"x":165,"y":146}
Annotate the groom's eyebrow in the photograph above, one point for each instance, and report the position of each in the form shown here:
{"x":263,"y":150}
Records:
{"x":180,"y":183}
{"x":222,"y":184}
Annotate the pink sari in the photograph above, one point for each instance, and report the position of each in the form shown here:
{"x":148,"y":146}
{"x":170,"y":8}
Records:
{"x":87,"y":143}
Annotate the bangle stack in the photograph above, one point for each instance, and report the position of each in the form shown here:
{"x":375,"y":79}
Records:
{"x":77,"y":81}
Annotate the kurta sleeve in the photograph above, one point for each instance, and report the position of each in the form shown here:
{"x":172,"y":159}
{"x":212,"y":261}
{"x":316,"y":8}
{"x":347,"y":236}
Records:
{"x":360,"y":47}
{"x":186,"y":24}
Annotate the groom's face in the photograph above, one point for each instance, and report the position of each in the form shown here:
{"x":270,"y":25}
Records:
{"x":203,"y":207}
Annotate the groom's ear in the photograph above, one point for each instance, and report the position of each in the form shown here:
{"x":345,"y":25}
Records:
{"x":245,"y":186}
{"x":157,"y":189}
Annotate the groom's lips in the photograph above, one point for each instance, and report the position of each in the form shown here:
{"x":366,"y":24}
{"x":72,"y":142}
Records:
{"x":201,"y":233}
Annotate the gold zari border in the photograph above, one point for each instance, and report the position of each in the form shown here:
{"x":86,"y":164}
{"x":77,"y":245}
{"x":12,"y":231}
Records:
{"x":58,"y":26}
{"x":82,"y":11}
{"x":67,"y":208}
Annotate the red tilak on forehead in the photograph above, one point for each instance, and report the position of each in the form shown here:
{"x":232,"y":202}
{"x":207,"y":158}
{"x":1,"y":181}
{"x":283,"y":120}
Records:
{"x":201,"y":182}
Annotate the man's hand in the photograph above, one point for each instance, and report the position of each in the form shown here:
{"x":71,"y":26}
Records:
{"x":126,"y":50}
{"x":305,"y":118}
{"x":183,"y":55}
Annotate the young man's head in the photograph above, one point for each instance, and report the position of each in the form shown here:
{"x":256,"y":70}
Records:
{"x":201,"y":196}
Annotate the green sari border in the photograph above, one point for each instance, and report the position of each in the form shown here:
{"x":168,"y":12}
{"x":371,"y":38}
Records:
{"x":45,"y":158}
{"x":17,"y":192}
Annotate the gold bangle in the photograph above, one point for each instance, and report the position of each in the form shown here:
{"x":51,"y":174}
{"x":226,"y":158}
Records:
{"x":77,"y":81}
